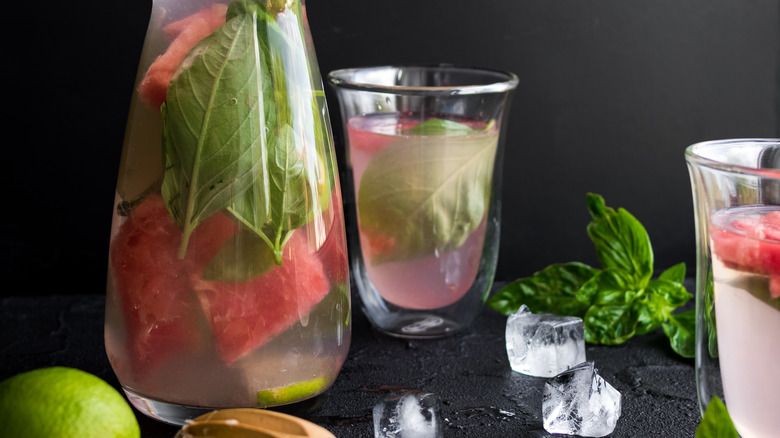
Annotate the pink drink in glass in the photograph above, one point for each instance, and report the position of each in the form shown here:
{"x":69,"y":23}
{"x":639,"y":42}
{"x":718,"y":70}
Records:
{"x":746,"y":272}
{"x":436,"y":277}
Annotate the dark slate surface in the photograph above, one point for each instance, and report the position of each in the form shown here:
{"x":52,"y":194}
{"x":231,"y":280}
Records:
{"x":481,"y":396}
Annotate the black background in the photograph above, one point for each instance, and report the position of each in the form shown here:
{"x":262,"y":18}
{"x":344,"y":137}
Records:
{"x":611,"y":92}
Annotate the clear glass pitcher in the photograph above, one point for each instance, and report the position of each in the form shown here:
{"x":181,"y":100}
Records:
{"x":424,"y":148}
{"x":228,"y":280}
{"x":736,"y":193}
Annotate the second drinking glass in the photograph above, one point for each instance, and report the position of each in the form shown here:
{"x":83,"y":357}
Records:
{"x":736,"y":194}
{"x":424,"y":147}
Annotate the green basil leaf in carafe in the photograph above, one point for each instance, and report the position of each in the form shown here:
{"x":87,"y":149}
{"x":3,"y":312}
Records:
{"x":240,"y":130}
{"x":214,"y":145}
{"x":287,"y":206}
{"x":243,"y":257}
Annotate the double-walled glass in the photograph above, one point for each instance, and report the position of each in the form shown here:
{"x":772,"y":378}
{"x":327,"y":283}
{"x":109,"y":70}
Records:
{"x":736,"y":193}
{"x":424,"y":147}
{"x":228,"y":280}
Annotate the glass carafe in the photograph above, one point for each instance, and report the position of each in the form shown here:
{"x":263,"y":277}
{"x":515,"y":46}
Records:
{"x":228,"y":283}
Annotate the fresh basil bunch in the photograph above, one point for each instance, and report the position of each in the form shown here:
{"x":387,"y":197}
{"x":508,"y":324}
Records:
{"x":618,"y":301}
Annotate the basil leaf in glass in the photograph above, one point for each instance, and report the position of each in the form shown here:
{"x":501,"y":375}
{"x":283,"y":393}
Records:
{"x":434,"y":127}
{"x":427,"y":195}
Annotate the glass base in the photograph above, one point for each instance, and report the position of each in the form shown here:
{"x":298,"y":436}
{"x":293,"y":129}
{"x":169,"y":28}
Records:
{"x":418,"y":326}
{"x":178,"y":415}
{"x":170,"y":413}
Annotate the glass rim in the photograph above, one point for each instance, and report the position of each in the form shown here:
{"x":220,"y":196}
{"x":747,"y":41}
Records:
{"x":504,"y":80}
{"x":692,"y":155}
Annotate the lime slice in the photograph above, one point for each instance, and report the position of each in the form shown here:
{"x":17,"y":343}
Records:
{"x":292,"y":393}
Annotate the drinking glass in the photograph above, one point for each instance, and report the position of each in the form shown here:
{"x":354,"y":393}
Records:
{"x":736,"y":194}
{"x":424,"y":148}
{"x":228,"y":282}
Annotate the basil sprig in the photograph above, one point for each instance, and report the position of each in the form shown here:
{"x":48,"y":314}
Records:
{"x":241,"y":128}
{"x":618,"y":301}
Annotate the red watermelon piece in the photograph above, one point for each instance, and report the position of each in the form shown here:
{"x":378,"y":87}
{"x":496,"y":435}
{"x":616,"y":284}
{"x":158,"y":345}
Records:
{"x":213,"y":16}
{"x":333,"y":252}
{"x":186,"y":32}
{"x":370,"y":141}
{"x":366,"y":140}
{"x":245,"y":315}
{"x":160,"y":311}
{"x":753,"y":245}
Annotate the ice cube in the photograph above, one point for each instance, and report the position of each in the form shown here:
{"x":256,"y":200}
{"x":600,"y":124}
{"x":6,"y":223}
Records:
{"x":544,"y":345}
{"x":580,"y":402}
{"x":408,"y":414}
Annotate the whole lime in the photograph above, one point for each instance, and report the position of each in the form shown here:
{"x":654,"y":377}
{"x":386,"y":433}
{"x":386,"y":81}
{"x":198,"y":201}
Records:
{"x":63,"y":402}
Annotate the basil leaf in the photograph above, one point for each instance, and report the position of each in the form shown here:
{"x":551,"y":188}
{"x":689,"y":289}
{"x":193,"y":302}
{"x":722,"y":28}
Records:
{"x":212,"y":141}
{"x":239,"y":113}
{"x":716,"y":421}
{"x":286,"y":192}
{"x":681,"y":331}
{"x":426,"y":199}
{"x":709,"y":315}
{"x":620,"y":239}
{"x":606,"y":287}
{"x":660,"y":298}
{"x":243,"y":257}
{"x":652,"y":311}
{"x":434,"y":127}
{"x":673,"y":291}
{"x":611,"y":317}
{"x":551,"y":290}
{"x":609,"y":324}
{"x":675,"y":273}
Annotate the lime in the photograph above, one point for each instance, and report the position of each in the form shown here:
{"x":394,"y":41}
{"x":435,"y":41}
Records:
{"x":292,"y":393}
{"x":63,"y":402}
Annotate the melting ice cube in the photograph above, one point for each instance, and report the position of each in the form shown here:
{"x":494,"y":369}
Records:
{"x":579,"y":402}
{"x":409,"y":414}
{"x":544,"y":345}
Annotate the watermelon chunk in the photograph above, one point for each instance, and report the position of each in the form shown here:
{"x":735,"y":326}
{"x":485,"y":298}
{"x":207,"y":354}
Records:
{"x":370,"y":141}
{"x":245,"y":315}
{"x":163,"y":298}
{"x":333,"y":252}
{"x":213,"y":17}
{"x":160,"y":311}
{"x":186,"y":32}
{"x":751,"y":243}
